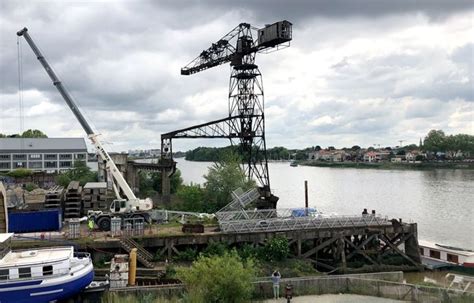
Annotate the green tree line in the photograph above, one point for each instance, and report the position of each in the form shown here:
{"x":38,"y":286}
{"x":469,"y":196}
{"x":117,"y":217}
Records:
{"x":438,"y":141}
{"x":31,"y":133}
{"x":216,"y":153}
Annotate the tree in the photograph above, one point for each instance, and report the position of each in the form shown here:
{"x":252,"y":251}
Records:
{"x":192,"y":198}
{"x":355,"y":148}
{"x":225,"y":278}
{"x":410,"y":147}
{"x":401,"y":152}
{"x":33,"y":133}
{"x":224,"y":177}
{"x":435,"y":141}
{"x":81,"y":172}
{"x":3,"y":135}
{"x":151,"y":182}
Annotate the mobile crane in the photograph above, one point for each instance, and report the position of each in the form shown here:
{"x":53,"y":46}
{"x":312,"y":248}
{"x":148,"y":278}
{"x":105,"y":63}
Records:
{"x":131,"y":207}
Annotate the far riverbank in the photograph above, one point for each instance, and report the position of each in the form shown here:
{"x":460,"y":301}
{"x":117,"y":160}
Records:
{"x":391,"y":165}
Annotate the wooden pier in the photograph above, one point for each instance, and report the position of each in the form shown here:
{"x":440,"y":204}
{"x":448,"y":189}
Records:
{"x":391,"y":246}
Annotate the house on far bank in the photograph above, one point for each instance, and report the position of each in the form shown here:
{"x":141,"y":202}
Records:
{"x":336,"y":155}
{"x":376,"y":156}
{"x":41,"y":154}
{"x":413,"y":155}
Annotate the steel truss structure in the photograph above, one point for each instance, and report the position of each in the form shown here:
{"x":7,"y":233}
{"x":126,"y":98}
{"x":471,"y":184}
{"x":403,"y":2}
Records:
{"x":245,"y":125}
{"x":282,"y":220}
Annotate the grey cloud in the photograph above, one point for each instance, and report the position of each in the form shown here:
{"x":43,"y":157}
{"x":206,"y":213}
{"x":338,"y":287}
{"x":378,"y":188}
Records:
{"x":301,"y":10}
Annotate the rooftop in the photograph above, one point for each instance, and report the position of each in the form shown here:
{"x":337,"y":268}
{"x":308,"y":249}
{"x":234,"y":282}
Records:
{"x":30,"y":144}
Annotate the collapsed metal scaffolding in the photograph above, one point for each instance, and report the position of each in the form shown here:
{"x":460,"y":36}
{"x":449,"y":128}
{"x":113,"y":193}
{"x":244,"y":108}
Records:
{"x":235,"y":218}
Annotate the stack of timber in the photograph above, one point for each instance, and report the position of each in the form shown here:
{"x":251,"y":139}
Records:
{"x":72,"y":200}
{"x":54,"y":197}
{"x":94,"y":196}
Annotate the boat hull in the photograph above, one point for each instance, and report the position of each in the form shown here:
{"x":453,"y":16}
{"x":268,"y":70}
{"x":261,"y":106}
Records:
{"x":38,"y":291}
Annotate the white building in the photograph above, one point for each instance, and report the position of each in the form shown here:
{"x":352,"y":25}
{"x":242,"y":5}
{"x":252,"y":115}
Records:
{"x":41,"y":154}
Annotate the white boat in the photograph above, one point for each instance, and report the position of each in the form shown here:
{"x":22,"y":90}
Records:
{"x":436,"y":255}
{"x":41,"y":275}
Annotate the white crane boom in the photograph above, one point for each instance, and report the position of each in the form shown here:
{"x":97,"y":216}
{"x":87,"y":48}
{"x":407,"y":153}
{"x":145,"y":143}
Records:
{"x":133,"y":202}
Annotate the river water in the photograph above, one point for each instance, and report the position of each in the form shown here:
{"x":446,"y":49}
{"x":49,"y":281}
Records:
{"x":441,"y":201}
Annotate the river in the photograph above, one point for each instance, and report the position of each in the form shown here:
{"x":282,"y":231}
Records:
{"x":441,"y":201}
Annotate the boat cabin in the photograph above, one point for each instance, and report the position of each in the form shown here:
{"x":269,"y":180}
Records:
{"x":32,"y":264}
{"x":436,"y":255}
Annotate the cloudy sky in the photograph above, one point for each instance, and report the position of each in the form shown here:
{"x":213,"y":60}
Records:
{"x":357,"y":72}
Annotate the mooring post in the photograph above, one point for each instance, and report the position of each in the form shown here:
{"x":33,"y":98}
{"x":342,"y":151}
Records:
{"x":306,"y":197}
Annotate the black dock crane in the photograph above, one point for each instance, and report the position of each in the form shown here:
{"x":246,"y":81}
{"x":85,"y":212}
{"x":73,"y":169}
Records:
{"x":245,"y":125}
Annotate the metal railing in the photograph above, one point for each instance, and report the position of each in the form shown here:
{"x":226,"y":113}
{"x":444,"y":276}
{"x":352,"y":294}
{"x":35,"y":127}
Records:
{"x":279,"y":220}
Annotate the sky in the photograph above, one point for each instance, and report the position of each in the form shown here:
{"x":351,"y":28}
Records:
{"x":357,"y":72}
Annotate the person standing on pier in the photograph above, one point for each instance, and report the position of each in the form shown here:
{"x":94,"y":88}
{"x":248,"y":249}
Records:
{"x":276,"y":284}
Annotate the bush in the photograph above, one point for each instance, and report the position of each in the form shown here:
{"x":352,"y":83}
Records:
{"x":30,"y":186}
{"x":276,"y":249}
{"x":191,"y":198}
{"x":20,"y":173}
{"x":187,"y":255}
{"x":215,"y":279}
{"x":215,"y":249}
{"x":247,"y":251}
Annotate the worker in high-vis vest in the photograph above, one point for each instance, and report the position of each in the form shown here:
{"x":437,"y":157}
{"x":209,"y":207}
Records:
{"x":90,"y":225}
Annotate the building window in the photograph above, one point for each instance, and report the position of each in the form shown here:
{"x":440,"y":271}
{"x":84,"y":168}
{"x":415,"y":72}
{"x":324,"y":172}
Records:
{"x":51,"y":164}
{"x":4,"y":273}
{"x":4,"y":165}
{"x":435,"y":254}
{"x":65,"y":164}
{"x":65,"y":156}
{"x":80,"y":156}
{"x":19,"y":165}
{"x":422,"y":251}
{"x":35,"y":165}
{"x":4,"y":157}
{"x":47,"y":270}
{"x":24,"y":272}
{"x":453,"y":258}
{"x":51,"y":157}
{"x":19,"y":157}
{"x":35,"y":156}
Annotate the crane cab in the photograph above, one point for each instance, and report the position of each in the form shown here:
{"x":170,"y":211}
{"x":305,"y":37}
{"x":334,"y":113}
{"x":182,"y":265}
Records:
{"x":118,"y":206}
{"x":275,"y":34}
